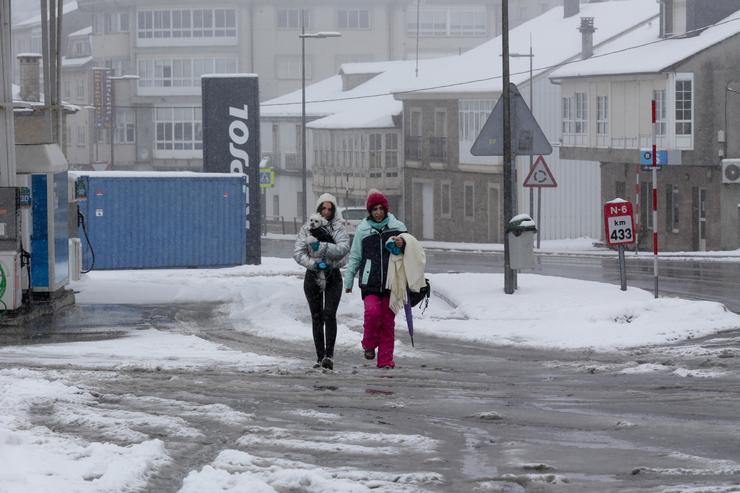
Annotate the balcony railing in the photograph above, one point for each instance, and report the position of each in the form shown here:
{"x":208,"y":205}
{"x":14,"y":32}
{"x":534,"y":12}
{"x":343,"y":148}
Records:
{"x":438,"y":149}
{"x":413,"y":148}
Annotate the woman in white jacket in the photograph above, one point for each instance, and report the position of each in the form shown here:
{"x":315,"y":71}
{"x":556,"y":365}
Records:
{"x":323,"y":258}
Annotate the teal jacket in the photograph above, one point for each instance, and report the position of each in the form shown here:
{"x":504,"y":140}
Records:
{"x":369,"y":255}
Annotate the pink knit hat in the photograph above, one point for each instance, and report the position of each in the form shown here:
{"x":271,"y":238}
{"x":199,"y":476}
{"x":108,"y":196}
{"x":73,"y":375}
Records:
{"x":376,"y":198}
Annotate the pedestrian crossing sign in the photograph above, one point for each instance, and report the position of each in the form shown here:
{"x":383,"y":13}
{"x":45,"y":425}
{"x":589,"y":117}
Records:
{"x":267,"y":178}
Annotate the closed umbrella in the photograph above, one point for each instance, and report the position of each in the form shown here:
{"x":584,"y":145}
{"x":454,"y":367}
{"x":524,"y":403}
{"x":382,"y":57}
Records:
{"x":409,"y":321}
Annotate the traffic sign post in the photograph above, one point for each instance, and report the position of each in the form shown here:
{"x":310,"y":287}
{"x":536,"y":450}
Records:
{"x":540,"y":177}
{"x":510,"y":130}
{"x":619,"y":230}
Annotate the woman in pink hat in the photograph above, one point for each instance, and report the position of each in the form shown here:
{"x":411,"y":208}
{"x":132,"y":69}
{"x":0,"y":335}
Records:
{"x":375,"y":239}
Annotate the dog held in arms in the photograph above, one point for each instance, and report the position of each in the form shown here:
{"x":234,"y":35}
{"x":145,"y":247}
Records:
{"x":317,"y":228}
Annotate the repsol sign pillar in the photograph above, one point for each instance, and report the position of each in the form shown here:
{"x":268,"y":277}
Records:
{"x":231,"y":141}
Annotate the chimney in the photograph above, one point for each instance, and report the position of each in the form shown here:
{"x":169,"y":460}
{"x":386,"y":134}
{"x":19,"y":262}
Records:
{"x":571,"y":7}
{"x":587,"y":37}
{"x":30,"y":76}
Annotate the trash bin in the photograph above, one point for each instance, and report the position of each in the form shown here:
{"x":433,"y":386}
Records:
{"x":521,"y":230}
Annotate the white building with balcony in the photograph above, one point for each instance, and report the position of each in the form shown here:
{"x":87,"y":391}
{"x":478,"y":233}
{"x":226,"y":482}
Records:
{"x":687,"y":62}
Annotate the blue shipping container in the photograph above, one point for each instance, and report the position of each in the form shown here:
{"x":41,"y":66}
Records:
{"x":164,"y":220}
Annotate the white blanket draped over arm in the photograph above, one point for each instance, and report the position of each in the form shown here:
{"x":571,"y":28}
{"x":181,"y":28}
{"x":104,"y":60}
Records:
{"x":406,"y":270}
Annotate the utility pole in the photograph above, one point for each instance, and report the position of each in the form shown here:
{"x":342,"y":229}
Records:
{"x":509,"y":275}
{"x":7,"y":123}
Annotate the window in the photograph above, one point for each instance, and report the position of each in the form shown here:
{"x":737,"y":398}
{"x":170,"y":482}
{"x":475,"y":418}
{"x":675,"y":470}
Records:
{"x":81,"y":135}
{"x":78,"y":48}
{"x":581,"y":114}
{"x":439,"y":22}
{"x":473,"y":115}
{"x":391,"y":150}
{"x":438,"y":141}
{"x":376,"y":149}
{"x":440,"y":123}
{"x":445,"y":198}
{"x":183,"y":72}
{"x":275,"y":205}
{"x":291,"y":18}
{"x":186,"y":23}
{"x":566,"y":115}
{"x":468,"y":201}
{"x":125,"y":126}
{"x":672,"y":208}
{"x":415,"y":123}
{"x":353,"y":19}
{"x":301,"y":198}
{"x":288,"y":67}
{"x":683,"y":106}
{"x":602,"y":115}
{"x":178,"y":129}
{"x":660,"y":111}
{"x":123,"y":22}
{"x":81,"y":88}
{"x":467,"y":23}
{"x":115,"y":22}
{"x":67,"y":88}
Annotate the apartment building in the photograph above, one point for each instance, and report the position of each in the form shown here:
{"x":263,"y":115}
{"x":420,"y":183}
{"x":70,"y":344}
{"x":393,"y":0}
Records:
{"x":687,"y":63}
{"x":442,"y":191}
{"x":354,"y":137}
{"x":169,"y":45}
{"x":451,"y":195}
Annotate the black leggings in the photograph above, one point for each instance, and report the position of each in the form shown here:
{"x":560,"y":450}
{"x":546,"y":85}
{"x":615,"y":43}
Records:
{"x":323,"y":306}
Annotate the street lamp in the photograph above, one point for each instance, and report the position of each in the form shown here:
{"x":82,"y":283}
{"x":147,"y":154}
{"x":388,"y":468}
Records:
{"x":303,"y":36}
{"x":113,"y":110}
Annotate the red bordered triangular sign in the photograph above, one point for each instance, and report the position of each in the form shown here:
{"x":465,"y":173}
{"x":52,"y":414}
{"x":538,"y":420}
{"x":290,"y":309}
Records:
{"x":540,"y":175}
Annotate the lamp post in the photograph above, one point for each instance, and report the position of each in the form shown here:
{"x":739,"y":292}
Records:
{"x":304,"y":35}
{"x":113,"y":110}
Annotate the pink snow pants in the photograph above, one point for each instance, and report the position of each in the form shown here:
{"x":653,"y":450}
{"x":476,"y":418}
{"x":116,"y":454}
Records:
{"x":380,"y":322}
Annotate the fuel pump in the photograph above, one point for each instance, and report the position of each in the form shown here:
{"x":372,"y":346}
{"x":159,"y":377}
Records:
{"x":10,"y":249}
{"x":42,"y":168}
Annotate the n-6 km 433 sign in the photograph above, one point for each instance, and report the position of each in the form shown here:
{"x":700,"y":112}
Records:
{"x":618,"y":222}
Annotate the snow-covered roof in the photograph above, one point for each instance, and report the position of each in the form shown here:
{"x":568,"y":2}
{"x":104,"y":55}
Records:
{"x":372,"y":104}
{"x":36,"y":19}
{"x":555,"y":39}
{"x":82,"y":32}
{"x":369,"y":105}
{"x":76,"y":62}
{"x":644,"y":52}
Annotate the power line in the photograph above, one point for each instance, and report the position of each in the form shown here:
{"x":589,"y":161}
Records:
{"x":494,"y":77}
{"x":455,"y":84}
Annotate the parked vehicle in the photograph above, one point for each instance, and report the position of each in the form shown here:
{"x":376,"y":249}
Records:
{"x":351,"y":217}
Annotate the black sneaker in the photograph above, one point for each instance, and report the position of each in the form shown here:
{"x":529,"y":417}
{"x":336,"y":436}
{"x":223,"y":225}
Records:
{"x":327,"y":363}
{"x":317,"y":364}
{"x":370,"y":353}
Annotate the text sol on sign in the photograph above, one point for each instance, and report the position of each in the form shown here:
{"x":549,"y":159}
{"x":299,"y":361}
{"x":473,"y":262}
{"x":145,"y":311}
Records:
{"x":618,"y":222}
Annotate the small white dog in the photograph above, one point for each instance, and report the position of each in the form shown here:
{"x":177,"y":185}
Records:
{"x":315,"y":221}
{"x":317,"y":232}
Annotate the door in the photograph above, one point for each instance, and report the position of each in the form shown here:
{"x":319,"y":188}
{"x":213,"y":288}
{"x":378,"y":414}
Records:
{"x":494,"y":216}
{"x":702,"y":218}
{"x":427,"y":201}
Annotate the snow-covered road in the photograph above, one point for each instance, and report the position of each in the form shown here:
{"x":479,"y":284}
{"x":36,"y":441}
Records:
{"x":216,"y":394}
